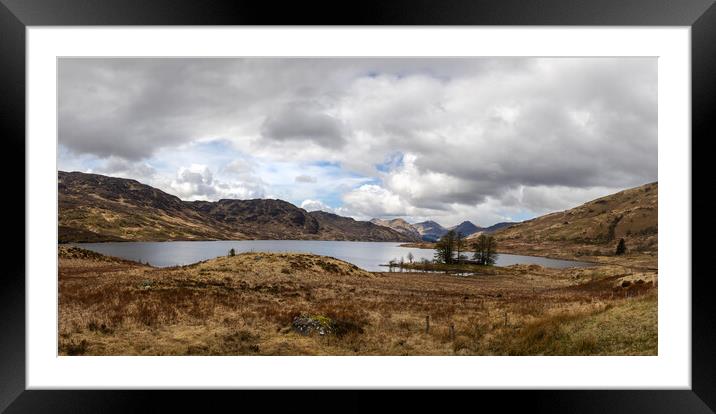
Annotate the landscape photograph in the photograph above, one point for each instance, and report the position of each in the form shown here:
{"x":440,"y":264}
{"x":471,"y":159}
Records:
{"x":357,"y":206}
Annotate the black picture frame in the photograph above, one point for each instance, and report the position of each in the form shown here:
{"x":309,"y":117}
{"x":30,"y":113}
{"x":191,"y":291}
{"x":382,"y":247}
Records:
{"x":15,"y":15}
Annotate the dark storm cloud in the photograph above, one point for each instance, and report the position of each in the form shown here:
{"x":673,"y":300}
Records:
{"x":301,"y":122}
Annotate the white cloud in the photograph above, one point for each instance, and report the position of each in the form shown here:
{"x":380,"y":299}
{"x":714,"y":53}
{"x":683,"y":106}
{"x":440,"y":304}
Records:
{"x":197,"y":182}
{"x":316,"y":205}
{"x":194,"y":183}
{"x":119,"y":167}
{"x":371,"y":200}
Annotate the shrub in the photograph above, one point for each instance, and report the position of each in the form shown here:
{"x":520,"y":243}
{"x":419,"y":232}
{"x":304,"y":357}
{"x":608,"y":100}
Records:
{"x":73,"y":348}
{"x":621,"y":247}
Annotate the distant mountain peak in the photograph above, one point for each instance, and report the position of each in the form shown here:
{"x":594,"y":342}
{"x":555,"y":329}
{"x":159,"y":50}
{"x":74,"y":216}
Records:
{"x":399,"y":225}
{"x":429,"y":223}
{"x":466,"y":228}
{"x":430,"y":230}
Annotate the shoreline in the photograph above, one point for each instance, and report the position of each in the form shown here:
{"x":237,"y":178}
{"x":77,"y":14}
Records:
{"x":385,"y":265}
{"x":594,"y":260}
{"x":65,"y":243}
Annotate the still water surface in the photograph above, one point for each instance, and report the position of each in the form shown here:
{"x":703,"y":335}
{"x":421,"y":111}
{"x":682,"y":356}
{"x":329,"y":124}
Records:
{"x":366,"y":255}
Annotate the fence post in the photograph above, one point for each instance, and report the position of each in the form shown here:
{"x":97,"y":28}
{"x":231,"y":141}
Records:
{"x":452,"y":331}
{"x":427,"y":324}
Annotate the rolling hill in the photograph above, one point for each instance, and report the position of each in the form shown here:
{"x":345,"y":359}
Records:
{"x":592,"y":229}
{"x":94,"y":208}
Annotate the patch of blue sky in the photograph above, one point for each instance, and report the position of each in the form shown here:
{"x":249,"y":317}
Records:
{"x":392,"y":161}
{"x":332,"y":199}
{"x":161,"y":164}
{"x":371,"y":180}
{"x":329,"y":181}
{"x":328,"y":168}
{"x":215,"y":145}
{"x":325,"y":164}
{"x":216,"y":152}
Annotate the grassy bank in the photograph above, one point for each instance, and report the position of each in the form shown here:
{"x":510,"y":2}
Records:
{"x":452,"y":268}
{"x":569,"y":251}
{"x":301,"y":304}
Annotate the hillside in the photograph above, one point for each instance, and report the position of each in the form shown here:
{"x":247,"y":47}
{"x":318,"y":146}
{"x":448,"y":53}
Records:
{"x":399,"y":225}
{"x":592,"y":229}
{"x":497,"y":226}
{"x":95,"y":208}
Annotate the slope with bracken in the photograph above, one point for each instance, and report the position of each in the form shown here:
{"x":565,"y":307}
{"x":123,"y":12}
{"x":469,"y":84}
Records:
{"x":592,"y":229}
{"x":94,"y":207}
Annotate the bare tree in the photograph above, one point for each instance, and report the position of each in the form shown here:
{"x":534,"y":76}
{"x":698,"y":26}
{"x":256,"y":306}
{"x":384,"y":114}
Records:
{"x":485,"y":250}
{"x":460,"y":245}
{"x":445,"y":248}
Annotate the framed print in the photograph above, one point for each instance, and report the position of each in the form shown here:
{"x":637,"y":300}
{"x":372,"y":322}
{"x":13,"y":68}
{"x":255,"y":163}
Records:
{"x":403,"y":197}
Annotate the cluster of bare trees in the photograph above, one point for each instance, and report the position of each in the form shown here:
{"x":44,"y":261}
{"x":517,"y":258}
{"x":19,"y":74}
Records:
{"x":452,"y":246}
{"x":485,"y":249}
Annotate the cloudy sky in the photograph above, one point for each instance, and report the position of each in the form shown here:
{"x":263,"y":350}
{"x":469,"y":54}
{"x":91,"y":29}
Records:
{"x":480,"y":139}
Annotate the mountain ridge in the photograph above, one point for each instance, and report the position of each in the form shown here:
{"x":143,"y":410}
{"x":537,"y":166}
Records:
{"x":96,"y":208}
{"x":431,"y":231}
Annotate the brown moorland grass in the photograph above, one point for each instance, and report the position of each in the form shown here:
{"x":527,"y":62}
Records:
{"x":249,"y":304}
